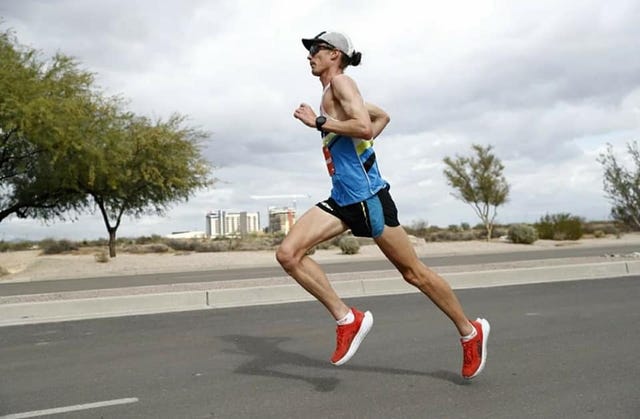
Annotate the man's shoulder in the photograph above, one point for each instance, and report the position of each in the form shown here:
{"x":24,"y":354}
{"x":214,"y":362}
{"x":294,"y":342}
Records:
{"x":341,"y":79}
{"x":343,"y":83}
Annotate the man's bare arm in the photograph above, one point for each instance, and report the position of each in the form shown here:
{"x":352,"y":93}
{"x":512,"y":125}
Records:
{"x":358,"y":123}
{"x":379,"y":119}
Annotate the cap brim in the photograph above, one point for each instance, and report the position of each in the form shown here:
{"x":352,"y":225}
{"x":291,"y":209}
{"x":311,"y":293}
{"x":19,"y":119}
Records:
{"x":307,"y":42}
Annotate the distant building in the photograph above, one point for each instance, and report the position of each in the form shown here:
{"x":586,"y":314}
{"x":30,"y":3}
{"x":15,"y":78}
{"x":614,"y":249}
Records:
{"x":281,"y":219}
{"x":222,"y":223}
{"x":186,"y":235}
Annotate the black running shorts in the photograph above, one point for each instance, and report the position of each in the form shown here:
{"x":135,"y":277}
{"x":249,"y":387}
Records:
{"x":366,"y":218}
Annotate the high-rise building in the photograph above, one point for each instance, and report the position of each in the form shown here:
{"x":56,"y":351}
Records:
{"x":222,"y":223}
{"x":281,"y":219}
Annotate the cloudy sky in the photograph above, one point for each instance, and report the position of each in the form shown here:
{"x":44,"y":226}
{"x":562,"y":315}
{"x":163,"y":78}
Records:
{"x":547,"y":83}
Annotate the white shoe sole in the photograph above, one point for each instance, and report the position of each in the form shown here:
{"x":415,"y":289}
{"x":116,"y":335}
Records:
{"x":367,"y":322}
{"x":486,"y":329}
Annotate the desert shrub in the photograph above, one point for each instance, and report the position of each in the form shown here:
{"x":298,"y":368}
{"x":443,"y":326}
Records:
{"x":15,"y":246}
{"x":324,"y":245}
{"x":336,"y":240}
{"x":101,"y":256}
{"x":605,"y":227}
{"x":611,"y":229}
{"x":213,"y":246}
{"x":95,"y":243}
{"x":561,"y":226}
{"x":277,"y":238}
{"x":255,"y":243}
{"x":437,"y":235}
{"x":465,"y":226}
{"x":419,"y":228}
{"x":3,"y":271}
{"x":349,"y":245}
{"x":598,"y":234}
{"x":365,"y":241}
{"x":522,"y":234}
{"x":139,"y":249}
{"x":148,"y":239}
{"x":55,"y":247}
{"x":496,"y":232}
{"x":182,"y":245}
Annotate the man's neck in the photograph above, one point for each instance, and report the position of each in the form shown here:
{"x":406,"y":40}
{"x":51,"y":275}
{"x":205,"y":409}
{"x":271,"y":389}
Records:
{"x":327,"y":76}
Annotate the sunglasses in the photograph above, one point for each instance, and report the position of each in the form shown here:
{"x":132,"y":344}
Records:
{"x":315,"y":48}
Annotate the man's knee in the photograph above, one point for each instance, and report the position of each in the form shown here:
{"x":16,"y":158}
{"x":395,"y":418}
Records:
{"x":417,"y":277}
{"x":286,"y":256}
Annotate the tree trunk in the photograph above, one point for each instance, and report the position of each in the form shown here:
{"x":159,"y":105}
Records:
{"x":489,"y":227}
{"x":112,"y":242}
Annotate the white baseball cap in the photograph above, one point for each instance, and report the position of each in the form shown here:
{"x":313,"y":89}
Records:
{"x":337,"y":40}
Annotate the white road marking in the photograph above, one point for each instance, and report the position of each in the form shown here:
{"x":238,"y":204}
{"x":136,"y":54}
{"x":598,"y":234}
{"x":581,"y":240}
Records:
{"x":66,"y":409}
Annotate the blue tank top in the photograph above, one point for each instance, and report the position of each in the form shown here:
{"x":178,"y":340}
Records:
{"x":352,"y":165}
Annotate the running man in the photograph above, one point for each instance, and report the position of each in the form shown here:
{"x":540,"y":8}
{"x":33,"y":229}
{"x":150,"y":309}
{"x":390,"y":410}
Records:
{"x":360,"y":201}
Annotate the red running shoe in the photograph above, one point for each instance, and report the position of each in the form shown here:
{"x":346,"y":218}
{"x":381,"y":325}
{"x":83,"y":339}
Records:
{"x":475,"y":350}
{"x":350,"y":336}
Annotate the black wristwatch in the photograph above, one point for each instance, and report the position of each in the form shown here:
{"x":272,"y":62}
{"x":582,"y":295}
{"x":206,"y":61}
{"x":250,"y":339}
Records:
{"x":320,"y":121}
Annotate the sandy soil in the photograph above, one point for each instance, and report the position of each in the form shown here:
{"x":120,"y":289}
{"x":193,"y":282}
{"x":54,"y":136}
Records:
{"x":31,"y":266}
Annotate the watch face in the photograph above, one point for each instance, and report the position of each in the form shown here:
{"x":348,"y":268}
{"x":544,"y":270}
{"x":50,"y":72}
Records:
{"x":320,"y":121}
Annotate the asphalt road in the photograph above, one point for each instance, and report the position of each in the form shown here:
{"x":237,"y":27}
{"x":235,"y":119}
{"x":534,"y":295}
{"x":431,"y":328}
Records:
{"x":38,"y":287}
{"x":557,"y":350}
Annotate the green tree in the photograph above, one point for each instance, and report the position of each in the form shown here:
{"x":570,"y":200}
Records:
{"x":46,"y":108}
{"x":622,"y":185}
{"x":139,"y":167}
{"x":64,"y":146}
{"x":479,"y":181}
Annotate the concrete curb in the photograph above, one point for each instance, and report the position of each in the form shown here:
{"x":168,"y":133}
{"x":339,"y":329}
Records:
{"x":388,"y":283}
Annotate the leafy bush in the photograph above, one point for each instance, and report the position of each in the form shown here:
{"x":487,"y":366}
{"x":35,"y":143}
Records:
{"x":55,"y":247}
{"x":522,"y":234}
{"x":349,"y":245}
{"x":561,"y":226}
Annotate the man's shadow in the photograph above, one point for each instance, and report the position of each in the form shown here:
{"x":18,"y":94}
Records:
{"x":266,"y":355}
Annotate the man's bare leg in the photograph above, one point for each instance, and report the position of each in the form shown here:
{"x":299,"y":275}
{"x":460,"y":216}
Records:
{"x":396,"y":246}
{"x":314,"y":227}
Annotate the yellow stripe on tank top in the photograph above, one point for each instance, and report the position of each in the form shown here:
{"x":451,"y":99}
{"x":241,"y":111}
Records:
{"x":363,"y":145}
{"x":327,"y":138}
